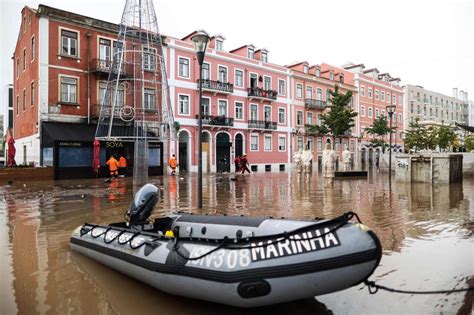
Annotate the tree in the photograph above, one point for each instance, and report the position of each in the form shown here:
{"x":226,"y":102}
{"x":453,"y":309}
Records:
{"x":340,"y":118}
{"x":415,"y":136}
{"x":445,"y":137}
{"x":380,"y":128}
{"x":469,"y":142}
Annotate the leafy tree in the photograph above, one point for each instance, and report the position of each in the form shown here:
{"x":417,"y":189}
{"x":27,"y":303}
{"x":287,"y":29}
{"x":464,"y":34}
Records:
{"x":379,"y":128}
{"x":415,"y":136}
{"x":445,"y":137}
{"x":469,"y":142}
{"x":339,"y":119}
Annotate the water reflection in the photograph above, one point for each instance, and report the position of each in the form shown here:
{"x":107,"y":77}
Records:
{"x":44,"y":276}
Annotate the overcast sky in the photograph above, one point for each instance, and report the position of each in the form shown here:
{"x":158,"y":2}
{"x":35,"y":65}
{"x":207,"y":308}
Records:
{"x":428,"y":43}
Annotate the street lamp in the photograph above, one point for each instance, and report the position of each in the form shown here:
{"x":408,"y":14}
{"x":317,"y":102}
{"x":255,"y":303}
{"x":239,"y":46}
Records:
{"x":390,"y":111}
{"x":200,"y":41}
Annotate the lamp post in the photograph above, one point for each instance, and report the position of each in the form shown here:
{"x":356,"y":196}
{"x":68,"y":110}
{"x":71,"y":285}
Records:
{"x":390,"y":111}
{"x":200,"y":41}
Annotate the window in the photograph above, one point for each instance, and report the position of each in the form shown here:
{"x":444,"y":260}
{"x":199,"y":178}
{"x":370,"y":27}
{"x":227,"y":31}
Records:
{"x":205,"y":106}
{"x":318,"y":72}
{"x":267,"y":113}
{"x":299,"y":90}
{"x":268,"y":143}
{"x":281,"y":115}
{"x":222,"y":77}
{"x":341,"y":78}
{"x":149,"y":99}
{"x":281,"y":87}
{"x":400,"y":100}
{"x":69,"y":43}
{"x":320,"y":119}
{"x":149,"y":59}
{"x":253,"y":142}
{"x":17,"y":68}
{"x":239,"y":110}
{"x":388,"y":97}
{"x":400,"y":117}
{"x":239,"y":78}
{"x":281,"y":144}
{"x":309,"y":92}
{"x":320,"y":144}
{"x":309,"y":118}
{"x":184,"y":104}
{"x":183,"y":68}
{"x":264,"y":57}
{"x":377,"y":113}
{"x":300,"y":143}
{"x":319,"y":94}
{"x":24,"y":24}
{"x":219,"y":45}
{"x":17,"y":104}
{"x":331,"y":76}
{"x":33,"y":49}
{"x":206,"y":71}
{"x":362,"y":111}
{"x":370,"y":112}
{"x":299,"y":118}
{"x":32,"y":94}
{"x":310,"y":145}
{"x":251,"y":53}
{"x":305,"y":69}
{"x":383,"y":96}
{"x":377,"y":95}
{"x":328,"y":96}
{"x":370,"y":93}
{"x":362,"y":91}
{"x":24,"y":59}
{"x":222,"y":108}
{"x":68,"y":90}
{"x":394,"y":99}
{"x":253,"y":112}
{"x":267,"y":83}
{"x":24,"y":100}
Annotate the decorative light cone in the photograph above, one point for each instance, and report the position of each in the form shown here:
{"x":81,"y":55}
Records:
{"x":135,"y":103}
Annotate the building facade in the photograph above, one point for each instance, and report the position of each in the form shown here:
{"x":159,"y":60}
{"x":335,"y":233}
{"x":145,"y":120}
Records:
{"x":376,"y":91}
{"x":310,"y":97}
{"x":432,"y":108}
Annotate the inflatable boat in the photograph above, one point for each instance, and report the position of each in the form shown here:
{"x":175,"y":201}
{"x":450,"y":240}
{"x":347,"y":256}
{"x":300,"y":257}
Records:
{"x":235,"y":260}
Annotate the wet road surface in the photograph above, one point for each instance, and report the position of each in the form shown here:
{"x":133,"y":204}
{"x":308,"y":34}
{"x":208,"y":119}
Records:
{"x":427,"y":233}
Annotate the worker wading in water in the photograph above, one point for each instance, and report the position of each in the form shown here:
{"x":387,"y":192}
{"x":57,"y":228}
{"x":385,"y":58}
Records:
{"x":113,"y":166}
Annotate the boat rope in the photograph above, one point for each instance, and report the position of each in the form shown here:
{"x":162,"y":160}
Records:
{"x":236,"y":243}
{"x":374,"y":288}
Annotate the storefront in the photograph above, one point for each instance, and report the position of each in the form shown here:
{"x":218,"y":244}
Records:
{"x":68,"y":148}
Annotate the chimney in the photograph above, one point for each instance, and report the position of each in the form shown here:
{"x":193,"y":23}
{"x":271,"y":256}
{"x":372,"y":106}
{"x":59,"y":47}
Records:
{"x":455,"y":92}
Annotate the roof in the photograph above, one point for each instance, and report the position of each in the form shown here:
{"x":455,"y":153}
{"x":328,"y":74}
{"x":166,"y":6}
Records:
{"x":354,"y":66}
{"x":246,"y":45}
{"x":372,"y":70}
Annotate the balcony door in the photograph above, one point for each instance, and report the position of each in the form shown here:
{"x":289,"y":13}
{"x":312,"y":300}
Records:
{"x":205,"y":107}
{"x":267,"y":113}
{"x":104,"y":53}
{"x":253,"y":80}
{"x":253,"y":112}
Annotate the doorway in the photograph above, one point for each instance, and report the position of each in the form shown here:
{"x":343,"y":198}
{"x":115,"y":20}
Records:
{"x":223,"y":152}
{"x":239,"y":145}
{"x":183,"y":151}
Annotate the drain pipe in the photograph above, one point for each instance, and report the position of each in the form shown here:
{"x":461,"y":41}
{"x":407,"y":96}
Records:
{"x":88,"y":35}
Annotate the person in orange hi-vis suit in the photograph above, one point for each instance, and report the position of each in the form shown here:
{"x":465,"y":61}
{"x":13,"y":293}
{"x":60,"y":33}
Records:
{"x":173,"y":164}
{"x":113,"y":166}
{"x":122,"y":164}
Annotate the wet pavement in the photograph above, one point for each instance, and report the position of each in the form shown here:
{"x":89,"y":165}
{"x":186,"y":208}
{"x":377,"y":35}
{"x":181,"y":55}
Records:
{"x":427,"y":233}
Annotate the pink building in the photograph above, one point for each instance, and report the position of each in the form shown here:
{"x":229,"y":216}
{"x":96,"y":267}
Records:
{"x":246,"y":106}
{"x":376,"y":91}
{"x":310,"y":86}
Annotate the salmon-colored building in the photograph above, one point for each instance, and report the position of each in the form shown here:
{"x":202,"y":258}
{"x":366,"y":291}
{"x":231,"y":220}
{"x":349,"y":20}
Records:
{"x":376,"y":91}
{"x":311,"y":86}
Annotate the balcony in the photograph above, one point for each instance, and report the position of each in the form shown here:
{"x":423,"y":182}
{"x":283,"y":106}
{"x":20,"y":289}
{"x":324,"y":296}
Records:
{"x":219,"y":121}
{"x":314,"y":104}
{"x":216,"y":86}
{"x":104,"y":67}
{"x":258,"y":93}
{"x":262,"y":125}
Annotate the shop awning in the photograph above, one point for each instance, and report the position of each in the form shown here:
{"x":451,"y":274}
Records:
{"x":55,"y":131}
{"x":465,"y":127}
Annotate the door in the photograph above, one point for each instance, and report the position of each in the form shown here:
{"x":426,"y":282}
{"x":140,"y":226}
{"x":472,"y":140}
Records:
{"x":223,"y":152}
{"x":253,"y":80}
{"x":104,"y":53}
{"x":239,"y":145}
{"x":183,"y":151}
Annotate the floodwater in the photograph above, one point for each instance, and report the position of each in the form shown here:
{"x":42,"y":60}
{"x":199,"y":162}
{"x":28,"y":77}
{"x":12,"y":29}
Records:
{"x":427,"y":233}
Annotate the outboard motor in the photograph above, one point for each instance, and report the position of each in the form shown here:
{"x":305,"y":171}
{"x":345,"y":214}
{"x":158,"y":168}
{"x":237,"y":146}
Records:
{"x":142,"y":206}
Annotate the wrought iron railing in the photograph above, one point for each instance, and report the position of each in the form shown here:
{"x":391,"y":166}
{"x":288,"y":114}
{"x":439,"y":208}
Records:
{"x":216,"y":86}
{"x":216,"y":120}
{"x":105,"y":66}
{"x":261,"y":93}
{"x":260,"y":124}
{"x":314,"y":104}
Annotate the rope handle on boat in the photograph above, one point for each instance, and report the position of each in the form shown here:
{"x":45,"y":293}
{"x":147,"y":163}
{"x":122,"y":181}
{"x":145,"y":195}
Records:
{"x":374,"y":288}
{"x":231,"y":244}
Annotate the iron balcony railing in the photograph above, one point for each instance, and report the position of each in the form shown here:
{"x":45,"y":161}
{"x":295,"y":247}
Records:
{"x":216,"y":120}
{"x":312,"y":103}
{"x":261,"y":93}
{"x":106,"y":66}
{"x":218,"y":86}
{"x":260,"y":124}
